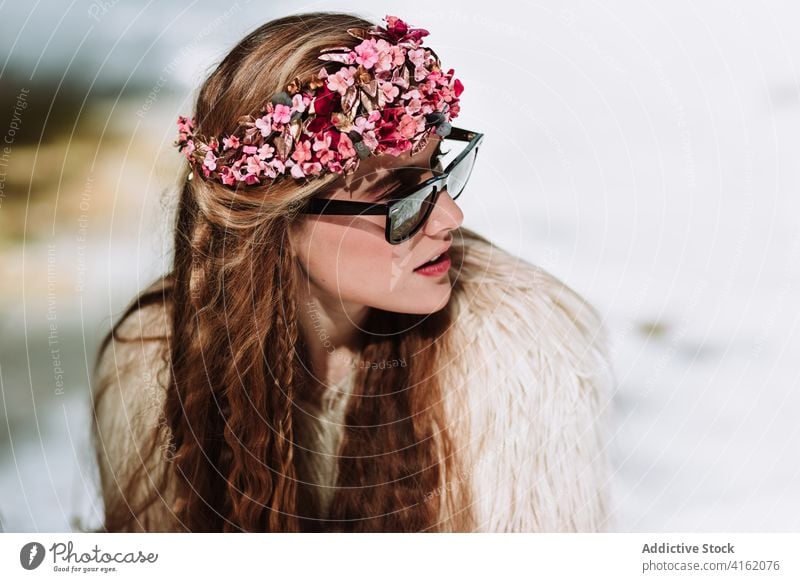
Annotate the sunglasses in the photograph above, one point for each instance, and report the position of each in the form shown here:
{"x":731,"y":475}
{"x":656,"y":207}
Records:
{"x":410,"y":206}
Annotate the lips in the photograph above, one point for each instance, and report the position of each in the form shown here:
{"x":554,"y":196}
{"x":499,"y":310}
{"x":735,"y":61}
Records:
{"x":434,"y":256}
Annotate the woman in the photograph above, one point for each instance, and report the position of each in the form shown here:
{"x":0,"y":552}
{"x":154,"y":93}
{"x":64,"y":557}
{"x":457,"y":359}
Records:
{"x":332,"y":350}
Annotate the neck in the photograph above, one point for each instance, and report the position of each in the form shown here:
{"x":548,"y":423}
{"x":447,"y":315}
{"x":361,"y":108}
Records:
{"x":332,"y":332}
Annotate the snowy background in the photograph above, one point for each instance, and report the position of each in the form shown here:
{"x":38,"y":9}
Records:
{"x":645,"y":153}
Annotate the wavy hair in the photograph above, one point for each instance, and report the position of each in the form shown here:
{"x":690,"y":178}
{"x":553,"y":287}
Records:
{"x":239,"y":381}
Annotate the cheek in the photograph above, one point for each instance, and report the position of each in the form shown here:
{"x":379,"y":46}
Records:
{"x":347,"y":257}
{"x":355,"y":264}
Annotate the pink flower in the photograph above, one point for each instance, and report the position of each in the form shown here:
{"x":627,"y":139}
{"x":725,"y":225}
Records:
{"x":420,"y":73}
{"x":408,"y":126}
{"x":297,"y":171}
{"x":399,"y":80}
{"x":265,"y":124}
{"x":389,"y":56}
{"x":300,"y":102}
{"x":312,"y":168}
{"x":345,"y":147}
{"x":282,"y":113}
{"x":425,"y":88}
{"x":226,"y":176}
{"x":249,"y":149}
{"x":367,"y":53}
{"x":362,"y":124}
{"x":341,"y":80}
{"x":370,"y":139}
{"x":413,"y":106}
{"x":185,"y":125}
{"x":265,"y":151}
{"x":302,"y":151}
{"x":231,"y":142}
{"x":269,"y":171}
{"x":446,"y":94}
{"x":254,"y":165}
{"x":277,"y":165}
{"x":417,"y":57}
{"x":210,"y":161}
{"x":324,"y":154}
{"x":188,"y":149}
{"x":389,"y":91}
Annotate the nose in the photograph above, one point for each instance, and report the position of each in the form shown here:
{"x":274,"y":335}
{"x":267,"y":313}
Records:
{"x":446,"y":215}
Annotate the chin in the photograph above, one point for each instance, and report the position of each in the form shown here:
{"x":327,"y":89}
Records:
{"x":433,"y":300}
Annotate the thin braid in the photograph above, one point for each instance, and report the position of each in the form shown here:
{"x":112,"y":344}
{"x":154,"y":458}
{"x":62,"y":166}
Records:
{"x":283,"y":394}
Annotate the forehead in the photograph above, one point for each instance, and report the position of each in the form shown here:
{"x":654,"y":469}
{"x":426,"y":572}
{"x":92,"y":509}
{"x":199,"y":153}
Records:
{"x":375,"y":169}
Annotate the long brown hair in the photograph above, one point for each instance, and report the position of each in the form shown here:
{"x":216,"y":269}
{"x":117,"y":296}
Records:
{"x":239,"y":365}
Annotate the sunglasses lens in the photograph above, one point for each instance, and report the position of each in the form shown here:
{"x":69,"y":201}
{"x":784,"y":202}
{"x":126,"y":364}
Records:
{"x":459,"y":175}
{"x":406,"y":215}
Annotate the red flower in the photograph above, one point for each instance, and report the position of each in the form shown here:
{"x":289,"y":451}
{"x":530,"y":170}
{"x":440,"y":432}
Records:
{"x":398,"y":30}
{"x":458,"y":87}
{"x":390,"y":115}
{"x":319,"y":123}
{"x":325,"y":101}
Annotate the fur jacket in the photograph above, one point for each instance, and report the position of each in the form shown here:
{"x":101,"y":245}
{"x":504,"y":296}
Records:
{"x":533,"y":374}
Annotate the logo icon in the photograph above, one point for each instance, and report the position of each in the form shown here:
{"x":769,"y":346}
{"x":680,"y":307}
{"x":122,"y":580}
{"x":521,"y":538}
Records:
{"x":31,"y":555}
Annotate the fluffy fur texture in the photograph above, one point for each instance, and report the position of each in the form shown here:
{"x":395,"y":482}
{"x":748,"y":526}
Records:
{"x":531,"y":382}
{"x":527,"y":386}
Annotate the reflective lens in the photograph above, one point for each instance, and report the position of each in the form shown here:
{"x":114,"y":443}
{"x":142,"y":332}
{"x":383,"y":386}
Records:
{"x":460,"y":174}
{"x":408,"y":213}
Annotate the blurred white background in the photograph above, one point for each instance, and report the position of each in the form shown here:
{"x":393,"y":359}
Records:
{"x":643,"y":152}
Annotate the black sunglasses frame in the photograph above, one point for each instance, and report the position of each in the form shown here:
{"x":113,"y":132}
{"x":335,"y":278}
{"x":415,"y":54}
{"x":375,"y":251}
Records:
{"x":327,"y":206}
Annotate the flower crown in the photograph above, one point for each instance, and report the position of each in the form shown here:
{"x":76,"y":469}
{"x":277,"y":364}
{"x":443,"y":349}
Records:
{"x":388,"y":96}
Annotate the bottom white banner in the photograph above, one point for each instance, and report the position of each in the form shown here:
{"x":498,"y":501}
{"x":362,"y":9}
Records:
{"x":613,"y":556}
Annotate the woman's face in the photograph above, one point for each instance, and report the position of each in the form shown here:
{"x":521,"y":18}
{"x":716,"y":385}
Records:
{"x":348,"y":259}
